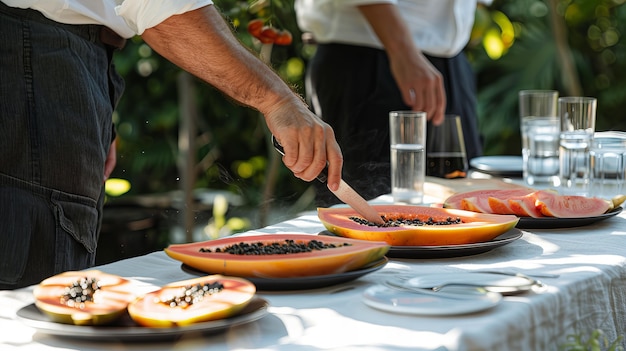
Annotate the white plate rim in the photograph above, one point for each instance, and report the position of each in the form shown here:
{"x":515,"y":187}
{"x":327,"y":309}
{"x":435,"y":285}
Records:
{"x":386,"y":299}
{"x":501,"y":283}
{"x":505,"y":163}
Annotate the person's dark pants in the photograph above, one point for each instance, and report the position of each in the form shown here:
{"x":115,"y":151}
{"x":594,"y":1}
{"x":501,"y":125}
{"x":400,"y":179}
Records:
{"x":58,"y":90}
{"x":352,"y":89}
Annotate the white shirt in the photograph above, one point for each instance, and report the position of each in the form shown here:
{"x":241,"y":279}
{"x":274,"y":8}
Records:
{"x":126,"y":17}
{"x":439,"y":27}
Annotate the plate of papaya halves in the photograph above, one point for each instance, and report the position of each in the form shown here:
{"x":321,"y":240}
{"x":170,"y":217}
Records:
{"x":538,"y":209}
{"x":97,"y":306}
{"x":283,"y":261}
{"x":424,"y":232}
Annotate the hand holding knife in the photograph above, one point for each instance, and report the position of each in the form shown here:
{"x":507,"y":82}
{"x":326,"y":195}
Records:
{"x":345,"y":193}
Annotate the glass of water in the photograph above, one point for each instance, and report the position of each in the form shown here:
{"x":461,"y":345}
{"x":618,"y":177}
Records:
{"x":540,"y":127}
{"x":407,"y":134}
{"x":578,"y":120}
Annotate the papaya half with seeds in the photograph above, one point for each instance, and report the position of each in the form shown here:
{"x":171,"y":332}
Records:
{"x":293,"y":256}
{"x":192,"y":301}
{"x":473,"y":227}
{"x":87,"y":297}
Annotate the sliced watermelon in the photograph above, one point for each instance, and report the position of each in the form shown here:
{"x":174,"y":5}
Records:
{"x":499,"y":205}
{"x":570,"y":206}
{"x":525,"y":202}
{"x":475,"y":204}
{"x":525,"y":206}
{"x":478,"y":196}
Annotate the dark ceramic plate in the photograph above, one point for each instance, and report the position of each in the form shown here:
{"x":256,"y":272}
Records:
{"x":448,"y":251}
{"x":503,"y":166}
{"x":302,"y":283}
{"x":555,"y":223}
{"x":125,"y":329}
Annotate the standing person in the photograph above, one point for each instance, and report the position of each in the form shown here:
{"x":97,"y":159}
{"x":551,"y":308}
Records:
{"x":58,"y":89}
{"x":376,"y":56}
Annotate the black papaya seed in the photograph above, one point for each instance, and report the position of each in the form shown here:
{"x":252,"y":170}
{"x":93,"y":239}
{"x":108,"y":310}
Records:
{"x":288,"y":246}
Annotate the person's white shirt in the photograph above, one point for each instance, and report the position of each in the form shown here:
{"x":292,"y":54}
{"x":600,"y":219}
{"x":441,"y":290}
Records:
{"x":439,"y":27}
{"x":126,"y":17}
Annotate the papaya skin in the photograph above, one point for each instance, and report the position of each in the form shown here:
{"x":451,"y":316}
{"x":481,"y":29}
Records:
{"x":475,"y":227}
{"x":235,"y":295}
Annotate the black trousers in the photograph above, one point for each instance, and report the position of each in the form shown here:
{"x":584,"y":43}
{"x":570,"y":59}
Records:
{"x":352,"y":89}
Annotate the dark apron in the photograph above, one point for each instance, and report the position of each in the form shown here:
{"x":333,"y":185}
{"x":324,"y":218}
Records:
{"x":58,"y":90}
{"x":352,"y":89}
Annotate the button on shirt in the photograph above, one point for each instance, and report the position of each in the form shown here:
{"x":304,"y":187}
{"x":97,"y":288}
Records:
{"x":126,"y":17}
{"x":439,"y":27}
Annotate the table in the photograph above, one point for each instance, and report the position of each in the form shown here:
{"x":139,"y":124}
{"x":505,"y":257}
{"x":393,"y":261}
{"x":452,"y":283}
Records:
{"x":589,"y":294}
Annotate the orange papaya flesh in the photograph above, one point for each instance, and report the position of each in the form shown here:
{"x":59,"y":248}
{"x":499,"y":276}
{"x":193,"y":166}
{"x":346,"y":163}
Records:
{"x":474,"y":227}
{"x":111,"y":295}
{"x":223,"y":297}
{"x":348,"y":255}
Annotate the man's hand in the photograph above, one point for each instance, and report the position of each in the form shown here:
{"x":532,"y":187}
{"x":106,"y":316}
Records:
{"x":111,"y":160}
{"x":308,"y":142}
{"x":419,"y":81}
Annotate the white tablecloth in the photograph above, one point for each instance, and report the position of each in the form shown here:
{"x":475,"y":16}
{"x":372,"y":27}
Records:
{"x":589,"y":294}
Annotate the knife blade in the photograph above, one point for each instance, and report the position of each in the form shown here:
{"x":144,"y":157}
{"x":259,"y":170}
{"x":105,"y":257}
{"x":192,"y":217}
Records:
{"x":345,"y":193}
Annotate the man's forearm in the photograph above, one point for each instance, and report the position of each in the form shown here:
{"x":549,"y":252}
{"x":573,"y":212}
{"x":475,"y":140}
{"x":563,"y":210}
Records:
{"x":420,"y":84}
{"x":203,"y":44}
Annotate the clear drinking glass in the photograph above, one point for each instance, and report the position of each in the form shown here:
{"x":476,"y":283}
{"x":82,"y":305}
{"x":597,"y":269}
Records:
{"x":578,"y":120}
{"x":608,"y":164}
{"x":407,"y":133}
{"x":540,"y":127}
{"x":445,"y":149}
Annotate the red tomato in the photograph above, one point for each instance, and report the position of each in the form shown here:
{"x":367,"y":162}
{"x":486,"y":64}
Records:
{"x":254,"y":27}
{"x":268,"y":35}
{"x":283,"y":38}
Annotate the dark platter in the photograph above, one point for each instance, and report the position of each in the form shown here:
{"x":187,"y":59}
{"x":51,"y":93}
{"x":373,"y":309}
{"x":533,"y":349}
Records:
{"x":555,"y":223}
{"x":302,"y":283}
{"x":125,"y":329}
{"x":448,"y":251}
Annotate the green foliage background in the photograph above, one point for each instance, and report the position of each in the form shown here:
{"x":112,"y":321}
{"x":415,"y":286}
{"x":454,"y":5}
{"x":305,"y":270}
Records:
{"x":232,"y":144}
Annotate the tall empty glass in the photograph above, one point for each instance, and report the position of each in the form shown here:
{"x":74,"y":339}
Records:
{"x":578,"y":120}
{"x":445,"y":149}
{"x":539,"y":126}
{"x":407,"y":133}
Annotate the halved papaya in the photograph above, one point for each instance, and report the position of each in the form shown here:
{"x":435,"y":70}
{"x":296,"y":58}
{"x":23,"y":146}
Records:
{"x":87,"y":297}
{"x":473,"y":227}
{"x":192,"y":301}
{"x":334,"y":255}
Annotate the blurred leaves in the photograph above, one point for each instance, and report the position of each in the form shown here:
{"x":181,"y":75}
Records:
{"x":512,"y":47}
{"x":231,"y":142}
{"x":594,"y":42}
